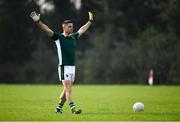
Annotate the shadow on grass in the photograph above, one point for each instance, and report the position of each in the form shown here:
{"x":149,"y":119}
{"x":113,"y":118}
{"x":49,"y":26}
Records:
{"x":163,"y":113}
{"x":135,"y":113}
{"x":103,"y":113}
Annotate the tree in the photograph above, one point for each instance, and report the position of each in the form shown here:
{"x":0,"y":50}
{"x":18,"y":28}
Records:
{"x":16,"y":39}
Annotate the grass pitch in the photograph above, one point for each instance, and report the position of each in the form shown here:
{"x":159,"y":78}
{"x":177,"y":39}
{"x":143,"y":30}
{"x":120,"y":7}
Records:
{"x":98,"y":103}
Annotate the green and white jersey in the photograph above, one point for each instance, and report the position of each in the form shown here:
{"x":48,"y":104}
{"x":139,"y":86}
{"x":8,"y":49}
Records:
{"x":66,"y":47}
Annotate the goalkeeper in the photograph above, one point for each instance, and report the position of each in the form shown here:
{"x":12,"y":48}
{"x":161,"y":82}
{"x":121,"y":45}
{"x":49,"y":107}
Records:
{"x":66,"y":47}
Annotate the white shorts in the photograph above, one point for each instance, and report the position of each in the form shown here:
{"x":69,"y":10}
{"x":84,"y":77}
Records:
{"x":66,"y":73}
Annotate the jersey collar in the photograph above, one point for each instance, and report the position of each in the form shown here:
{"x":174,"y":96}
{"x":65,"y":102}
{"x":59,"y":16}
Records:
{"x":66,"y":35}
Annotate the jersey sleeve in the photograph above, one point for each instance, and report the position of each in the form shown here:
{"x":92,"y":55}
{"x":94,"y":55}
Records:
{"x":55,"y":36}
{"x":75,"y":35}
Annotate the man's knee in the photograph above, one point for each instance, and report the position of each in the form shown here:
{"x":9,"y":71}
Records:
{"x":67,"y":86}
{"x":68,"y":90}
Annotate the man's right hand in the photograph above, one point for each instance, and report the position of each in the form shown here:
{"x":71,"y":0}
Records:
{"x":35,"y":16}
{"x":91,"y":18}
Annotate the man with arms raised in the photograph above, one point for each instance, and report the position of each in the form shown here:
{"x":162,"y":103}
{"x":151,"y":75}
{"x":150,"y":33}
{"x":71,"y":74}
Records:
{"x":66,"y":48}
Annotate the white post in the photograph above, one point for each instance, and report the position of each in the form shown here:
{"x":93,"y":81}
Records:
{"x":150,"y":77}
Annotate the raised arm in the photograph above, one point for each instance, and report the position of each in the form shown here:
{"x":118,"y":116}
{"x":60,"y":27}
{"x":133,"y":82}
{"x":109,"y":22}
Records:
{"x":41,"y":25}
{"x":84,"y":28}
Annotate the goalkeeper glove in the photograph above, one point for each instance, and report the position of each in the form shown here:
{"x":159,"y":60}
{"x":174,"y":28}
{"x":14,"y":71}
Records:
{"x":90,"y":16}
{"x":35,"y":17}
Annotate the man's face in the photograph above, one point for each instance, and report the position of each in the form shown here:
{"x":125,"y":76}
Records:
{"x":68,"y":28}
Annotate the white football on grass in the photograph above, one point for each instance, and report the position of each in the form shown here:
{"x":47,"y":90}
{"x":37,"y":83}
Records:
{"x":138,"y":106}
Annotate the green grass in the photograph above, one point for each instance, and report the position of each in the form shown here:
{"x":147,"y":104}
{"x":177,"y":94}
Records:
{"x":101,"y":103}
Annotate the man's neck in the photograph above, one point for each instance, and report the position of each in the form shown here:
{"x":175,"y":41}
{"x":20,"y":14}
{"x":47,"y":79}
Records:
{"x":66,"y":34}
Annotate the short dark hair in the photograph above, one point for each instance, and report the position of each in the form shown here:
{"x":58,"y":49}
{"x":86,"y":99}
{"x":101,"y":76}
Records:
{"x":67,"y":21}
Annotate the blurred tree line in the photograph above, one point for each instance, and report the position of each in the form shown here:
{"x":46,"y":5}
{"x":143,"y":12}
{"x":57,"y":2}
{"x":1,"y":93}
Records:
{"x":127,"y":39}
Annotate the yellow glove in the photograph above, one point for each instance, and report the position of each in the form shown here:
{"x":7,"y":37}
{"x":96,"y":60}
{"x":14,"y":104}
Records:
{"x":90,"y":16}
